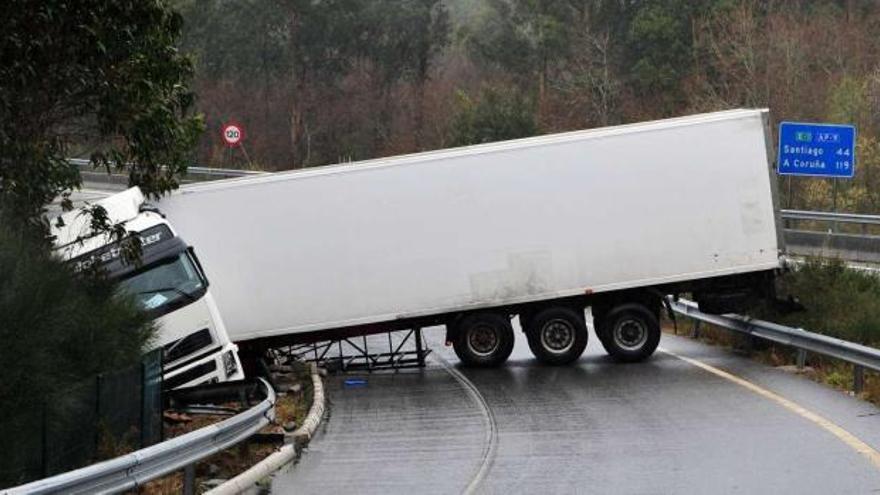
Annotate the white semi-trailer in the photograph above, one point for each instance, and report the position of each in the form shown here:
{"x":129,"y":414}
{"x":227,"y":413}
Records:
{"x":541,"y":228}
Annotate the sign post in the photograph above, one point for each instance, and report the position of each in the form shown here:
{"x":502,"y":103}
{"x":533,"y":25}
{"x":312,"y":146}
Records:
{"x":233,"y":135}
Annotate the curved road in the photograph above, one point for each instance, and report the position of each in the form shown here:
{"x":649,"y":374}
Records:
{"x":663,"y":426}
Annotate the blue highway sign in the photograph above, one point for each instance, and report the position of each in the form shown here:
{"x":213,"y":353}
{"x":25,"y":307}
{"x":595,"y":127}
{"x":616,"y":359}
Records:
{"x":823,"y":150}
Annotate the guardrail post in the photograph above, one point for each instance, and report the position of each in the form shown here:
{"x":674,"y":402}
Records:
{"x":695,"y":332}
{"x":858,"y":379}
{"x":189,"y":480}
{"x":801,"y":359}
{"x":749,"y":347}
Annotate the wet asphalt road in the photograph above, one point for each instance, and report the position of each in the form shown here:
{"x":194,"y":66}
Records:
{"x":662,"y":426}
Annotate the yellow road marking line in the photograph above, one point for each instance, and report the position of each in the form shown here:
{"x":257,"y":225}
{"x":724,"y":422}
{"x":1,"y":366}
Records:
{"x":844,"y":436}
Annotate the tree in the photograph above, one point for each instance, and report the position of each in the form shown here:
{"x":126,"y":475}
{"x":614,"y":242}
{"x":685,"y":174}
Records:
{"x":499,"y":114}
{"x":98,"y":75}
{"x":57,"y":327}
{"x":526,"y":38}
{"x":403,"y":37}
{"x":659,"y":41}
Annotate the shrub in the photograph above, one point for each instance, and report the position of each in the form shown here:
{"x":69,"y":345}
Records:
{"x":58,"y":328}
{"x":499,"y":114}
{"x":840,"y":301}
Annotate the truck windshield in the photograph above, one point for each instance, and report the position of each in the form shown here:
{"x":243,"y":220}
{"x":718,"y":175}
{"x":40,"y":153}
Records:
{"x":166,"y":285}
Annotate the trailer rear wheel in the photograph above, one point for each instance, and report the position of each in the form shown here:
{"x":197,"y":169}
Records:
{"x":557,"y":335}
{"x":630,"y":332}
{"x":483,"y":339}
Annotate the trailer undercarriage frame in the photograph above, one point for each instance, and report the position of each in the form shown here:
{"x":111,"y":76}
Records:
{"x":393,"y":350}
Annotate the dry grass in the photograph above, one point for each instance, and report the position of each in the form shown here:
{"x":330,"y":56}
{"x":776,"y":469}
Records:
{"x":233,"y":461}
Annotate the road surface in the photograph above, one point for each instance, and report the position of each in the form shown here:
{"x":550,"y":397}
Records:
{"x":663,"y":426}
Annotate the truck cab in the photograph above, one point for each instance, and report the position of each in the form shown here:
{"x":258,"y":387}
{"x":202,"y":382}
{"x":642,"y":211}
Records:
{"x":169,"y":283}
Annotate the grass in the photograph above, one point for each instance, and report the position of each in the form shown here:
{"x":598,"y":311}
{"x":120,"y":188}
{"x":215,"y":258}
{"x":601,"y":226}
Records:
{"x":840,"y":302}
{"x":237,"y":459}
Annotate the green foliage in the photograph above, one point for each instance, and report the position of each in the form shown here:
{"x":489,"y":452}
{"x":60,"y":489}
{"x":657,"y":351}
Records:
{"x":660,"y":41}
{"x":247,"y":37}
{"x":840,"y":301}
{"x":101,"y":75}
{"x":524,"y":37}
{"x":497,"y":115}
{"x":58,"y":328}
{"x":403,"y":36}
{"x":847,"y":102}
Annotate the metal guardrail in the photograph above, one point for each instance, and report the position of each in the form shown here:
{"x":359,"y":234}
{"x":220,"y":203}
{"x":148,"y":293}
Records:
{"x":224,"y":173}
{"x":859,"y":355}
{"x":827,"y":216}
{"x":133,"y":470}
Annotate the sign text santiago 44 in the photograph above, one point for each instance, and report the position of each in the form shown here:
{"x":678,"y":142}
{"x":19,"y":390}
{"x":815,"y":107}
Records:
{"x":822,"y":150}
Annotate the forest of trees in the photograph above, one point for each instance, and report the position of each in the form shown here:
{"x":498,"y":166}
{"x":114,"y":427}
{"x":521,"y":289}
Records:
{"x":319,"y":82}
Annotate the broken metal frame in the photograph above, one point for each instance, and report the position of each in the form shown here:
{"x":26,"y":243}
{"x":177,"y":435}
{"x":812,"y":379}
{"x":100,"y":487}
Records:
{"x":354,"y":353}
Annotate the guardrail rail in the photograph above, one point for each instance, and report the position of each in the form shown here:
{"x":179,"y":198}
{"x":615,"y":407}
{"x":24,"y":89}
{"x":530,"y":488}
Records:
{"x":132,"y":470}
{"x":860,"y":356}
{"x":222,"y":173}
{"x":827,"y":216}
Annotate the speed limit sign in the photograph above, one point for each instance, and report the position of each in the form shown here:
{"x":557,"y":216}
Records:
{"x":233,"y":134}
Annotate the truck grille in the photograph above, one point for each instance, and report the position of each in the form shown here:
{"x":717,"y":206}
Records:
{"x":190,"y":375}
{"x":188,"y":345}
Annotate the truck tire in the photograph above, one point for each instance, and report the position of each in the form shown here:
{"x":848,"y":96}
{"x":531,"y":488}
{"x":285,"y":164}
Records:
{"x":483,"y":339}
{"x":630,"y":332}
{"x":557,"y":335}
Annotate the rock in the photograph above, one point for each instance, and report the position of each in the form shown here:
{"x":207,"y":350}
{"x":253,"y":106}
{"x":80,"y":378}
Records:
{"x":213,"y":469}
{"x":302,"y":439}
{"x":290,"y":426}
{"x":210,"y":484}
{"x":806,"y":370}
{"x":288,"y":388}
{"x":175,"y":417}
{"x":281,"y":368}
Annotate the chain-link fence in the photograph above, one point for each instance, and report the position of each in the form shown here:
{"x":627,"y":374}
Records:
{"x":99,"y":418}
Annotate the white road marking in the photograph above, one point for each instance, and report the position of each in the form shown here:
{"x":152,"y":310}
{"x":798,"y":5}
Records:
{"x":490,"y":445}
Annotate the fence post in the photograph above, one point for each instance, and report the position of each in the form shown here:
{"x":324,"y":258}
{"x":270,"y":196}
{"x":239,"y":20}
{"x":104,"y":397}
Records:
{"x":858,"y":379}
{"x":98,"y":411}
{"x":143,"y":417}
{"x":44,"y":441}
{"x":189,"y":480}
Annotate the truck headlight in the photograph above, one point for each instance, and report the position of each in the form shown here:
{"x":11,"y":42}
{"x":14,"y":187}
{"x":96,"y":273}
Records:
{"x":229,"y":363}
